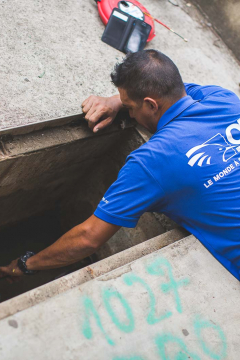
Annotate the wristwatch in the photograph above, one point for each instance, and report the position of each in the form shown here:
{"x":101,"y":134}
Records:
{"x":22,"y":263}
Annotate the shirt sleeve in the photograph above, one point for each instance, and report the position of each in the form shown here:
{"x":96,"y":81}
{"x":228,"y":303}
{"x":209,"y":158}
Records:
{"x":199,"y":92}
{"x":134,"y":192}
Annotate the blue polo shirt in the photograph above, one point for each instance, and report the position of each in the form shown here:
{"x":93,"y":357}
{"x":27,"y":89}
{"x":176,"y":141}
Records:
{"x":190,"y":171}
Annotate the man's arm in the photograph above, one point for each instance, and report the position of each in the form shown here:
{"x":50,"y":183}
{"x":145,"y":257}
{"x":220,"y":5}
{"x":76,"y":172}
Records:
{"x":78,"y":243}
{"x":98,"y":108}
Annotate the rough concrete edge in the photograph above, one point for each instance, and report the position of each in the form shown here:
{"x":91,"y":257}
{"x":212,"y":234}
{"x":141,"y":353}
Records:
{"x":57,"y":122}
{"x":42,"y":293}
{"x":37,"y":126}
{"x":57,"y":140}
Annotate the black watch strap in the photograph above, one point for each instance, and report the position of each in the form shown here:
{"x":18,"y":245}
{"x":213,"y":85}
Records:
{"x":22,"y":263}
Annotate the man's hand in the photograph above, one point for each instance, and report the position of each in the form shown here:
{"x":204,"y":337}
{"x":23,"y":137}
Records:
{"x":103,"y":109}
{"x":11,"y":271}
{"x":81,"y":241}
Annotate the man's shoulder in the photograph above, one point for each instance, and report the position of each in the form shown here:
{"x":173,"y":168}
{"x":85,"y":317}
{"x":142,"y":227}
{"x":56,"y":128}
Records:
{"x":203,"y":92}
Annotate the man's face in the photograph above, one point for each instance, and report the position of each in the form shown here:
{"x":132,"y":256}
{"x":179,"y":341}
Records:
{"x":141,"y":111}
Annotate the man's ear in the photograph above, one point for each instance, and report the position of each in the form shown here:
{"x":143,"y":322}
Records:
{"x":151,"y":104}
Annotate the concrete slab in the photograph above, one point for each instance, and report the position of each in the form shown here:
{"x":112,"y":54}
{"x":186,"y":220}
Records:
{"x":176,"y":303}
{"x":52,"y":57}
{"x":49,"y":290}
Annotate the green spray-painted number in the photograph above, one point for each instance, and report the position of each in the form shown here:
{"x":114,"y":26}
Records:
{"x":183,"y":354}
{"x":108,"y":294}
{"x":199,"y":326}
{"x":90,"y":310}
{"x":152,"y":318}
{"x":158,"y":267}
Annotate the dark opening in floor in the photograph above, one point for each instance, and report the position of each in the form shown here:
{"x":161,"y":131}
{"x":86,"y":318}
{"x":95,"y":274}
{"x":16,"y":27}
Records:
{"x":51,"y":190}
{"x":33,"y":234}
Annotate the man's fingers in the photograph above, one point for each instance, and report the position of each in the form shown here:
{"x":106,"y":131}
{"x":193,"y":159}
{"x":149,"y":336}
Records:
{"x":89,"y":115}
{"x":99,"y":111}
{"x":103,"y":124}
{"x":11,"y":270}
{"x":93,"y":120}
{"x":87,"y":107}
{"x":87,"y":104}
{"x":84,"y":103}
{"x":3,"y":271}
{"x":4,"y":274}
{"x":97,"y":115}
{"x":90,"y":98}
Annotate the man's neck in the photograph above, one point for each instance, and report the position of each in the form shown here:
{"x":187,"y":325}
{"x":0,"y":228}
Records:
{"x":163,"y":107}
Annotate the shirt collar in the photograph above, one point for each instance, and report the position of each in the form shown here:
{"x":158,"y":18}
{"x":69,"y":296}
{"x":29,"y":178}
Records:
{"x":175,"y":110}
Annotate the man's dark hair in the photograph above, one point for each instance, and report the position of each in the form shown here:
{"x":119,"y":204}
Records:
{"x":148,"y":73}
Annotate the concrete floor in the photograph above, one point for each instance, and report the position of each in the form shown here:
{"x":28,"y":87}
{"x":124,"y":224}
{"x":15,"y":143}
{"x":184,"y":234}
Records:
{"x":176,"y":303}
{"x":52,"y":57}
{"x":224,"y":17}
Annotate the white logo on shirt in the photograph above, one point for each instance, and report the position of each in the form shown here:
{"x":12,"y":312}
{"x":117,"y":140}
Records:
{"x":105,"y":200}
{"x":216,"y":145}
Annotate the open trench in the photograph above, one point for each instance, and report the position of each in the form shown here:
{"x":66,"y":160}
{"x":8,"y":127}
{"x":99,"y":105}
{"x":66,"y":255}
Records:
{"x":51,"y":179}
